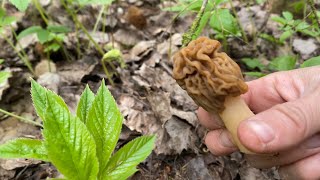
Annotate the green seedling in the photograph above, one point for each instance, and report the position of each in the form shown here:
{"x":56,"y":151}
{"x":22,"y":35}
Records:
{"x":290,"y":26}
{"x":51,"y":38}
{"x":81,"y":146}
{"x":5,"y":24}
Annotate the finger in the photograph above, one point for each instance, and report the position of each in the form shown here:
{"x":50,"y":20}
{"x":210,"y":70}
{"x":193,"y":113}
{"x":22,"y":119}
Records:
{"x":219,"y":142}
{"x":208,"y":120}
{"x":271,"y":90}
{"x":281,"y":127}
{"x":307,"y":168}
{"x":306,"y":149}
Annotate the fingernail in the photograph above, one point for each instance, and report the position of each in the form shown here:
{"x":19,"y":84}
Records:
{"x":262,"y":130}
{"x":313,"y":142}
{"x":225,"y":139}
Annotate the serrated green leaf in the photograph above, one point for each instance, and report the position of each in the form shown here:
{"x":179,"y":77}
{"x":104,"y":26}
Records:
{"x":104,"y":123}
{"x":223,"y":21}
{"x":4,"y":75}
{"x":70,"y":146}
{"x":84,"y":104}
{"x":128,"y":157}
{"x":58,"y":29}
{"x":29,"y":31}
{"x":283,"y":63}
{"x":255,"y":74}
{"x":22,"y":5}
{"x":24,"y":148}
{"x":38,"y":95}
{"x":315,"y":61}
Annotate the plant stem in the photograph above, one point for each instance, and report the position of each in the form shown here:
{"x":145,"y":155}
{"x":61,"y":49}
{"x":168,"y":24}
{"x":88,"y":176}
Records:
{"x":187,"y":37}
{"x":20,"y":118}
{"x":75,"y":19}
{"x":41,"y":11}
{"x":107,"y":73}
{"x":314,"y":11}
{"x":99,"y":18}
{"x":23,"y":57}
{"x":244,"y":36}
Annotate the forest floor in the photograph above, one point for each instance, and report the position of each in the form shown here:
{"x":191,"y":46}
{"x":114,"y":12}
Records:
{"x":149,"y":98}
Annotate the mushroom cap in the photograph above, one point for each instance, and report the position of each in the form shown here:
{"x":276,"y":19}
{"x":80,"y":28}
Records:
{"x":207,"y":75}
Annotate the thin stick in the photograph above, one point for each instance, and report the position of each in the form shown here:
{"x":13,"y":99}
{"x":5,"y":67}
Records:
{"x":21,"y":118}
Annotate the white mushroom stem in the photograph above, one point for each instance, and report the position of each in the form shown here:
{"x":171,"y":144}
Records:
{"x":236,"y":110}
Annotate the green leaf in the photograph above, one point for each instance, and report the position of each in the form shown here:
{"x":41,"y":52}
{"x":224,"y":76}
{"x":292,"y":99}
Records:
{"x":43,"y":36}
{"x":223,"y":21}
{"x":285,"y":35}
{"x":253,"y":63}
{"x":7,"y":20}
{"x":28,"y":31}
{"x":70,"y":146}
{"x":84,"y":104}
{"x":24,"y":148}
{"x":129,"y":156}
{"x":287,"y":15}
{"x":315,"y":61}
{"x":104,"y":123}
{"x":1,"y":61}
{"x":38,"y":94}
{"x":22,"y":5}
{"x":52,"y":47}
{"x":302,"y":25}
{"x":255,"y":74}
{"x":58,"y":29}
{"x":283,"y":63}
{"x":260,"y":1}
{"x":279,"y":19}
{"x":4,"y":75}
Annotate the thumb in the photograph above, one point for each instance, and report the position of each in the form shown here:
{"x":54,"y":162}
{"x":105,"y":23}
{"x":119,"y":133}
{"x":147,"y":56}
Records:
{"x":282,"y":126}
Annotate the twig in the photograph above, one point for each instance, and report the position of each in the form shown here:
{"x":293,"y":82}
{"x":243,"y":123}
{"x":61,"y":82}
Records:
{"x":244,"y":36}
{"x":314,"y":11}
{"x":20,"y":118}
{"x":187,"y":37}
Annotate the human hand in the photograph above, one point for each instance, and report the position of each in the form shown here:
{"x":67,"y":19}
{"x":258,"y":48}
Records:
{"x":286,"y":126}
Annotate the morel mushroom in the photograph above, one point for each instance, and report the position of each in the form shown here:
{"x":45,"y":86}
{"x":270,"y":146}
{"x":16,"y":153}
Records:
{"x":214,"y":81}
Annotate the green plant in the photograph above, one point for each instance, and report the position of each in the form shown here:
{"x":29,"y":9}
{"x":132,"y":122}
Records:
{"x":281,"y":63}
{"x":221,"y":20}
{"x":81,"y":145}
{"x":289,"y":26}
{"x":5,"y":24}
{"x":51,"y":38}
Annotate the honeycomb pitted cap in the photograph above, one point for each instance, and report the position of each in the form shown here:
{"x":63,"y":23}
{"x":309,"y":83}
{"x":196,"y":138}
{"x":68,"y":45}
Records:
{"x":207,"y":75}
